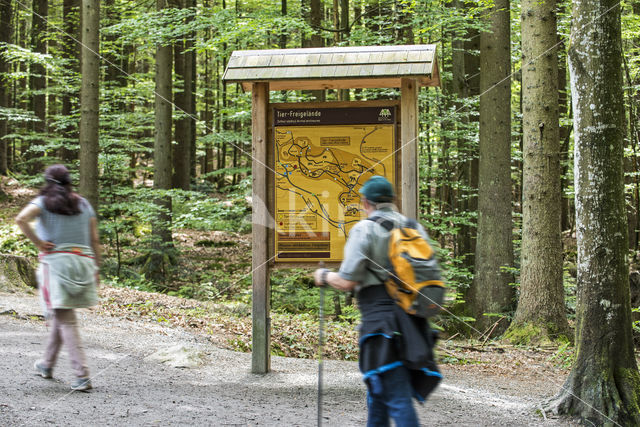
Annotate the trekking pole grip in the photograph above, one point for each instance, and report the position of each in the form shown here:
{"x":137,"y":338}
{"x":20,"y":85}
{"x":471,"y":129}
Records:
{"x":325,"y":272}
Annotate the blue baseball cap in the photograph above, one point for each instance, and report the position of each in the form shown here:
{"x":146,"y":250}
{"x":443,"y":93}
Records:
{"x":378,"y":189}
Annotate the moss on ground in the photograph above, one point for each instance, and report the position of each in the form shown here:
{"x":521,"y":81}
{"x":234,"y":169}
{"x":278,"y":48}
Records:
{"x":533,"y":334}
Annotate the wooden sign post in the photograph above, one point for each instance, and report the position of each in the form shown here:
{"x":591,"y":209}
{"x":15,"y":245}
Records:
{"x":313,"y":152}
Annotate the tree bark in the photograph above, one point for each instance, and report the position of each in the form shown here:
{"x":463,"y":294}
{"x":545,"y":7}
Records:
{"x":71,"y":52}
{"x":491,"y":292}
{"x":5,"y":37}
{"x":604,"y":384}
{"x":344,"y":94}
{"x":541,"y":304}
{"x":207,"y":114}
{"x":17,"y":272}
{"x":305,"y":9}
{"x":38,"y":80}
{"x":89,"y":102}
{"x":182,"y":99}
{"x":469,"y":168}
{"x":193,"y":60}
{"x":161,"y":227}
{"x":315,"y":21}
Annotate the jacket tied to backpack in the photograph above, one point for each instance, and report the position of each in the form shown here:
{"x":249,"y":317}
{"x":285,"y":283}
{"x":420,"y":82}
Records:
{"x":390,"y":338}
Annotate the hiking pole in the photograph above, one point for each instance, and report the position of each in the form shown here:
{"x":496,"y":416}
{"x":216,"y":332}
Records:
{"x":320,"y":348}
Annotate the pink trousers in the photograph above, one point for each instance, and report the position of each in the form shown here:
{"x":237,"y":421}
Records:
{"x":64,"y":328}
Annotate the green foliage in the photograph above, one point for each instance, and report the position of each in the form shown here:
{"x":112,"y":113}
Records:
{"x":292,"y":291}
{"x":137,"y":282}
{"x":564,"y":356}
{"x":201,"y":212}
{"x":12,"y":241}
{"x":636,"y":323}
{"x":448,"y":140}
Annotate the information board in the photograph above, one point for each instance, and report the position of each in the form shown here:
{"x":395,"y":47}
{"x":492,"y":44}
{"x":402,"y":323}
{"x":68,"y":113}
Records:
{"x":323,"y":156}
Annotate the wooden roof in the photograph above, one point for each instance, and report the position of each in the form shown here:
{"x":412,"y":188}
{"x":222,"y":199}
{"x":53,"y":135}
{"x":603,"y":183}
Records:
{"x":334,"y":67}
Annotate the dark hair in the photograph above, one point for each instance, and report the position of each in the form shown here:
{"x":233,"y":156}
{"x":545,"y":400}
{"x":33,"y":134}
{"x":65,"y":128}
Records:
{"x":58,"y":196}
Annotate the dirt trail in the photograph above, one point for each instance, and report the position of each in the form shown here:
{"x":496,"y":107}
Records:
{"x":132,"y":390}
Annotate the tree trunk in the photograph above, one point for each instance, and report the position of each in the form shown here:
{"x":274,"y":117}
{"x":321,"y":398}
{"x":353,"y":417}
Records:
{"x":182,"y":99}
{"x":491,"y":292}
{"x":344,"y":94}
{"x":541,"y":305}
{"x":38,"y":80}
{"x":71,"y":52}
{"x":283,"y":36}
{"x":315,"y":21}
{"x":17,"y":272}
{"x":458,"y":92}
{"x":193,"y":68}
{"x":21,"y":87}
{"x":5,"y":37}
{"x":305,"y":9}
{"x":604,"y":384}
{"x":404,"y":26}
{"x":469,"y":167}
{"x":207,"y":114}
{"x":89,"y":102}
{"x":161,"y":227}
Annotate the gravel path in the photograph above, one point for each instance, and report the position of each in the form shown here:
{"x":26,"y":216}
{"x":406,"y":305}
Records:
{"x":130,"y":389}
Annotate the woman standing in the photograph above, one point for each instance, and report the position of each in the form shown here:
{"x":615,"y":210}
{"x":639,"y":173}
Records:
{"x":66,"y":234}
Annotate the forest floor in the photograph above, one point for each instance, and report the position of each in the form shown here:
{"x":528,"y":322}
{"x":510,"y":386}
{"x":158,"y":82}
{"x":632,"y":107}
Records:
{"x":158,"y":359}
{"x":150,"y":373}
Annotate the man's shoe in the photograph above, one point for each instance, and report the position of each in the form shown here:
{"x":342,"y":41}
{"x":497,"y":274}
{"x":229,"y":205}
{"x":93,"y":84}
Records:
{"x":81,"y":384}
{"x":42,"y":371}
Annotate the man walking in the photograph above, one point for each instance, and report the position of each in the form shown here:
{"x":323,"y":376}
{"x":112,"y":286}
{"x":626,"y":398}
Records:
{"x":396,"y":349}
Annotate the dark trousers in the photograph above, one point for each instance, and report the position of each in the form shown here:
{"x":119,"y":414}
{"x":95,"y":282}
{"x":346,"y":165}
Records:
{"x":394,"y":401}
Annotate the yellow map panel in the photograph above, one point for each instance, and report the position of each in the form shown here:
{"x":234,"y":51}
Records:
{"x":319,"y":170}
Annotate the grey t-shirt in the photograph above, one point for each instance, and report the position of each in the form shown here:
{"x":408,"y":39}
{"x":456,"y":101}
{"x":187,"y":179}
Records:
{"x":367,"y":249}
{"x":59,"y":229}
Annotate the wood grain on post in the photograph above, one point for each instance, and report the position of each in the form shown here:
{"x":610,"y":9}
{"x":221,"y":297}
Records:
{"x":409,"y":147}
{"x":260,"y":360}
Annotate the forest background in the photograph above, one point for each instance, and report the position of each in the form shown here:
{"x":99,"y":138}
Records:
{"x":162,"y":147}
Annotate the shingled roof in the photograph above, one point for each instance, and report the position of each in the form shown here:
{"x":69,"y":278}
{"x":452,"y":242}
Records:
{"x":334,"y":67}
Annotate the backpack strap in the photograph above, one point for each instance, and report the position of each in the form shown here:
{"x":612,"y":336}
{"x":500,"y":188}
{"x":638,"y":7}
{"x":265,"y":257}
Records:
{"x":390,"y":225}
{"x":387,"y":224}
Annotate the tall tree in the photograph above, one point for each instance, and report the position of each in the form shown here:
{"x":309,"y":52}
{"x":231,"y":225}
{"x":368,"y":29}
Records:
{"x":315,"y":21}
{"x":38,"y":78}
{"x":207,"y":112}
{"x":182,"y":149}
{"x":71,"y":52}
{"x":344,"y":94}
{"x":305,"y":10}
{"x":469,"y":167}
{"x":89,"y":101}
{"x":161,"y":227}
{"x":5,"y":37}
{"x":541,"y":302}
{"x":192,"y":57}
{"x":282,"y":43}
{"x":604,"y":384}
{"x":491,"y":291}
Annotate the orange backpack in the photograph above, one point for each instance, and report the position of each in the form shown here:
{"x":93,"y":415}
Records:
{"x":414,"y":278}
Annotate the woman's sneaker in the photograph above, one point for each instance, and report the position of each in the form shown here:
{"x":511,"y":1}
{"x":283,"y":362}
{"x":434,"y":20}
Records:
{"x":81,"y":384}
{"x":42,"y":371}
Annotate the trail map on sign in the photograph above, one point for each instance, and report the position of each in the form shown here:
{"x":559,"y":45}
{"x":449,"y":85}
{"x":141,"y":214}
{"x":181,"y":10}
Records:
{"x":322,"y":158}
